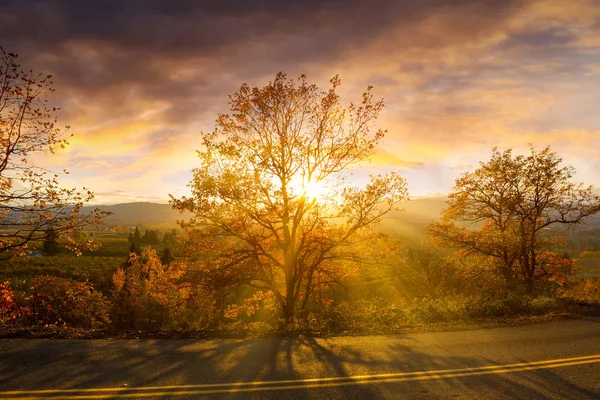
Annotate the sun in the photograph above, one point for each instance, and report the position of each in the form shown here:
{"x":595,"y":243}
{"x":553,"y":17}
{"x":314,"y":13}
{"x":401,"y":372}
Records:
{"x":311,"y":190}
{"x":315,"y":190}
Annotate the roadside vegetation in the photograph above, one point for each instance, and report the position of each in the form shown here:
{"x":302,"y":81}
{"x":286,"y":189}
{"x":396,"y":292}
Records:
{"x":277,"y":239}
{"x":417,"y":287}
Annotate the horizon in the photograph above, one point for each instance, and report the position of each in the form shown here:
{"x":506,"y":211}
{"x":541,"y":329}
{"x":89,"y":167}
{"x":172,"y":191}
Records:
{"x":94,"y":203}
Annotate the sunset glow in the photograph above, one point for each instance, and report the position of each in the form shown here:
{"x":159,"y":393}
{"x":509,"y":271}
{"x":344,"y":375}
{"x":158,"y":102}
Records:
{"x":359,"y":199}
{"x":314,"y":190}
{"x":458,"y":78}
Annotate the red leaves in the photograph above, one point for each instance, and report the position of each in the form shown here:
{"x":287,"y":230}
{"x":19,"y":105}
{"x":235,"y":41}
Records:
{"x":6,"y":300}
{"x":53,"y":301}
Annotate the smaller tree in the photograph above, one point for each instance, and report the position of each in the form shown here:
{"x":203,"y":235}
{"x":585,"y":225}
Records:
{"x":145,"y":293}
{"x":31,"y":199}
{"x":507,"y":209}
{"x":133,"y":248}
{"x":170,"y":238}
{"x":167,"y":258}
{"x":150,"y":237}
{"x":50,"y":246}
{"x":137,"y":237}
{"x":432,"y":266}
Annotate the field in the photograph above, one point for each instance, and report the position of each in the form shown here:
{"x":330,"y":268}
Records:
{"x":96,"y":266}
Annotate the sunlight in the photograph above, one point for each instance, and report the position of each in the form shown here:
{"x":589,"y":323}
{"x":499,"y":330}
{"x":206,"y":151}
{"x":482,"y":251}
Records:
{"x":311,"y":190}
{"x":315,"y":190}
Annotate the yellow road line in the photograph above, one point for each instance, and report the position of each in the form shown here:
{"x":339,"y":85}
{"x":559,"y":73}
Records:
{"x":234,"y":387}
{"x":297,"y":381}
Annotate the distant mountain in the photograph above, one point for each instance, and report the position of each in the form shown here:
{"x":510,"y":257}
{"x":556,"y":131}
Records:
{"x":141,"y":213}
{"x":414,"y":219}
{"x":410,"y":223}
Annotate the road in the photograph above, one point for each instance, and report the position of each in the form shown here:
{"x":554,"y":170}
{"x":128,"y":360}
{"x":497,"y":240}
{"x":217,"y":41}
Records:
{"x":559,"y":360}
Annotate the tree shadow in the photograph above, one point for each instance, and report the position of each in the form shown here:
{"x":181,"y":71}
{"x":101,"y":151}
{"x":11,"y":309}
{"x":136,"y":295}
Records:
{"x":78,"y":364}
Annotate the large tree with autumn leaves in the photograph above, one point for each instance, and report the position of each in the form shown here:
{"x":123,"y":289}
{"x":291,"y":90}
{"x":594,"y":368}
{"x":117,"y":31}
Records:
{"x":508,"y":209}
{"x":271,"y":206}
{"x":33,"y":206}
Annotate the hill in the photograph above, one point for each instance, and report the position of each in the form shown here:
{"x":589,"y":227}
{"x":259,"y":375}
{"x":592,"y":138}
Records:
{"x":410,"y":223}
{"x":141,"y":213}
{"x":413,"y":220}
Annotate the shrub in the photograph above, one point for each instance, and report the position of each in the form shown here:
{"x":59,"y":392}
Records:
{"x":364,"y":315}
{"x":146,"y":294}
{"x":7,"y":302}
{"x":428,"y":310}
{"x":584,"y":291}
{"x":544,"y":304}
{"x":53,"y":301}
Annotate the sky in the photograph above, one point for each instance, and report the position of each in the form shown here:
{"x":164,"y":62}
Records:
{"x":138,"y":80}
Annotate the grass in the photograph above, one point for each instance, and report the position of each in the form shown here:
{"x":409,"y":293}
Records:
{"x":98,"y":270}
{"x":261,"y":329}
{"x":96,"y":266}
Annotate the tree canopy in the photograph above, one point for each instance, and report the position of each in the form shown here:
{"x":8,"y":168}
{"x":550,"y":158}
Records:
{"x":31,"y":199}
{"x":508,"y":208}
{"x":272,"y":206}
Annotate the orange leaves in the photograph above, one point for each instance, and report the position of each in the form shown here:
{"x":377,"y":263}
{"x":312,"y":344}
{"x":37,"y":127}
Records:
{"x":256,"y":221}
{"x":145,"y":291}
{"x":510,"y":204}
{"x":53,"y":301}
{"x":260,"y":300}
{"x":32,"y":193}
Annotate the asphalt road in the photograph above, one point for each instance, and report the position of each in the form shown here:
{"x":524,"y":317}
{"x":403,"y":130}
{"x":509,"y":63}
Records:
{"x":558,"y":360}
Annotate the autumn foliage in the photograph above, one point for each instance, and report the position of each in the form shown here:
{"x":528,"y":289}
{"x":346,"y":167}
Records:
{"x":31,"y":199}
{"x":258,"y":220}
{"x":53,"y":301}
{"x":280,"y":237}
{"x":150,"y":295}
{"x":508,"y":210}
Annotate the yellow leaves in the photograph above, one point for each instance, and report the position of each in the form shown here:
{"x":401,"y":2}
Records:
{"x":118,"y":280}
{"x":509,"y":203}
{"x":263,"y":212}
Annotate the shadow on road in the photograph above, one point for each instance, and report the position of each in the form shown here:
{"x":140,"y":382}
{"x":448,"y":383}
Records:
{"x":47,"y":364}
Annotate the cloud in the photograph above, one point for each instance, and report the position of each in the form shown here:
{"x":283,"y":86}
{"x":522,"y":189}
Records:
{"x":383,"y":158}
{"x":138,"y":80}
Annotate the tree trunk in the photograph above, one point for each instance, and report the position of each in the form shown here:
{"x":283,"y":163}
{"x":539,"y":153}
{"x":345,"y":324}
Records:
{"x":290,"y":300}
{"x":288,"y":309}
{"x":529,"y":286}
{"x":509,"y":278}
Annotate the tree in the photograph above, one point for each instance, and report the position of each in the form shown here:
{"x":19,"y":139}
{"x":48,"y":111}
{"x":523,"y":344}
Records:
{"x":170,"y":238}
{"x":150,"y":237}
{"x":31,"y":200}
{"x":137,"y":237}
{"x":50,"y":247}
{"x":145,"y":293}
{"x":133,"y":248}
{"x":167,"y":257}
{"x":271,"y":207}
{"x":509,"y":206}
{"x":431,"y":265}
